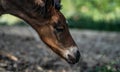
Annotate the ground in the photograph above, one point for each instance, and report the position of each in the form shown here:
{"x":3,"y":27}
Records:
{"x":97,"y":48}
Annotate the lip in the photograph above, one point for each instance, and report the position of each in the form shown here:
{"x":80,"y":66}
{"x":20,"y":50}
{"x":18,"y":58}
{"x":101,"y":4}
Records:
{"x":73,"y":59}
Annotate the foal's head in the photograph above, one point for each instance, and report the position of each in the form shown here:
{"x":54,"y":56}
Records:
{"x":56,"y":35}
{"x":45,"y":17}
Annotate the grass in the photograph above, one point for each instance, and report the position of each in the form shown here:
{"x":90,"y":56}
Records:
{"x":106,"y":68}
{"x":89,"y":23}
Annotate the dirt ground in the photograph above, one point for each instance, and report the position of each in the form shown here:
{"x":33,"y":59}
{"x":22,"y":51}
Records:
{"x":97,"y":48}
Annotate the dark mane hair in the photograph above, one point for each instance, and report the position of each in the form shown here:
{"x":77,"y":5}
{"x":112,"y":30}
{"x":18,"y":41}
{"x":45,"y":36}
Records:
{"x":57,"y":4}
{"x":43,"y":10}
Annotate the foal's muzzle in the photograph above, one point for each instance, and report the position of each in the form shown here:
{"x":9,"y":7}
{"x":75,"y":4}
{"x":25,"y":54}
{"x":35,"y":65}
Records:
{"x":72,"y":55}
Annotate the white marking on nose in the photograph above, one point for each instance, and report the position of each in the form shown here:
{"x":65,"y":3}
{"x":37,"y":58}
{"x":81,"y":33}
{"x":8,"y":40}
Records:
{"x":70,"y":51}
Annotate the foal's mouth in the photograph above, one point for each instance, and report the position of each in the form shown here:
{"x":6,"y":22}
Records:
{"x":72,"y":55}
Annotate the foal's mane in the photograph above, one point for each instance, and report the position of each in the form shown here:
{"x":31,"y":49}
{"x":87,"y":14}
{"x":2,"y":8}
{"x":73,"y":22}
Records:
{"x":43,"y":7}
{"x":33,"y":8}
{"x":45,"y":4}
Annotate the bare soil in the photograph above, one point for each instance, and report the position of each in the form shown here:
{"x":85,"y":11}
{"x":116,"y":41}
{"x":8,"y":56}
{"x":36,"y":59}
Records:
{"x":97,"y":48}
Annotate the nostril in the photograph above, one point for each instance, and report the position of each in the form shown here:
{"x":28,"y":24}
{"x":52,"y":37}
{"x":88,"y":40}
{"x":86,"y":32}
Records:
{"x":74,"y":58}
{"x":70,"y":57}
{"x":77,"y":54}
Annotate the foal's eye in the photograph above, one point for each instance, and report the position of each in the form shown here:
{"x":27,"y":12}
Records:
{"x":59,"y":29}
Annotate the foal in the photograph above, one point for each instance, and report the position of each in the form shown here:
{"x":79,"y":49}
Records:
{"x":45,"y":17}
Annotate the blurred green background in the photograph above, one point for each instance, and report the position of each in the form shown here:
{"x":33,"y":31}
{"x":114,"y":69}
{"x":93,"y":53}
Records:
{"x":84,"y":14}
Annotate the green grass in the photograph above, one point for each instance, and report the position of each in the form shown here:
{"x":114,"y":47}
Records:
{"x":9,"y":20}
{"x":89,"y":23}
{"x":106,"y":68}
